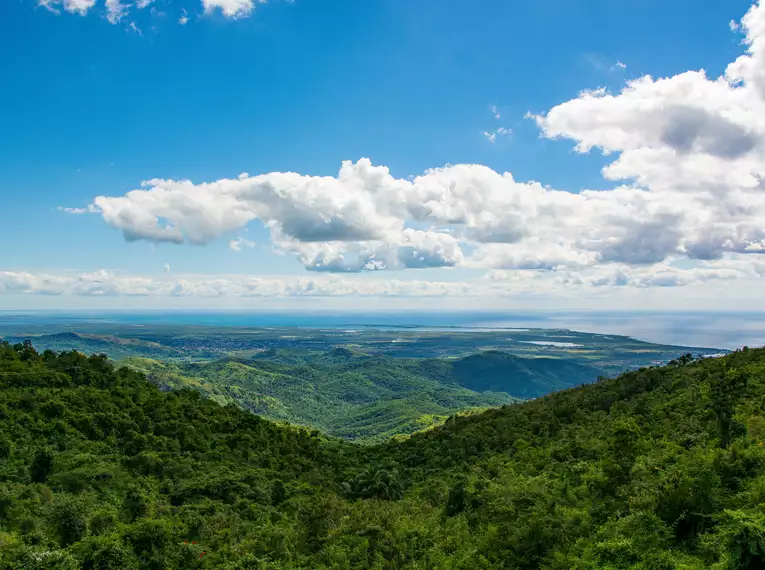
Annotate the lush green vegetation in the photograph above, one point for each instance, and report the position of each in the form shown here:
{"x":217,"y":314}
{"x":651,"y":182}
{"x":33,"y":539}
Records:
{"x":502,"y":372}
{"x":607,"y":354}
{"x":362,"y":397}
{"x":659,"y":468}
{"x":363,"y":385}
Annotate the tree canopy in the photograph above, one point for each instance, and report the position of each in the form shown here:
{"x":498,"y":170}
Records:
{"x":663,"y":467}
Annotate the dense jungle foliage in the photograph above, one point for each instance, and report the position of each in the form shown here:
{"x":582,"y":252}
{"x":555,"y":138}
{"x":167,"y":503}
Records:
{"x":660,"y":468}
{"x":366,"y":398}
{"x":363,"y":398}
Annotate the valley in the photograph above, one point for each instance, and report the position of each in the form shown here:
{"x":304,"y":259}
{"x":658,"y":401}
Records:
{"x":361,"y":384}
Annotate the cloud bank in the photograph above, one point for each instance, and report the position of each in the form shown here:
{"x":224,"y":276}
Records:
{"x":104,"y":283}
{"x":496,"y":283}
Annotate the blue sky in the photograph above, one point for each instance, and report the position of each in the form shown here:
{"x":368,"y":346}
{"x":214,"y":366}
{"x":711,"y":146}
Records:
{"x":92,"y":105}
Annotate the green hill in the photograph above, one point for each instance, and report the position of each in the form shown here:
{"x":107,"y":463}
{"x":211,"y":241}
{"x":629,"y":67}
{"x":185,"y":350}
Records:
{"x":111,"y":345}
{"x":660,"y":468}
{"x":502,"y":372}
{"x":290,"y":345}
{"x":344,"y":393}
{"x":366,"y":397}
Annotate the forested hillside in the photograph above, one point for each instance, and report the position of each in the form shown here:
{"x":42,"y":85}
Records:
{"x":660,"y":468}
{"x":503,"y":372}
{"x":367,"y":397}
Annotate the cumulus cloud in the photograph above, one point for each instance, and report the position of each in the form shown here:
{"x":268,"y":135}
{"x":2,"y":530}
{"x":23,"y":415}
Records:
{"x":693,"y":143}
{"x":420,"y":249}
{"x":534,"y":255}
{"x":409,"y":249}
{"x":688,"y":154}
{"x":358,"y":220}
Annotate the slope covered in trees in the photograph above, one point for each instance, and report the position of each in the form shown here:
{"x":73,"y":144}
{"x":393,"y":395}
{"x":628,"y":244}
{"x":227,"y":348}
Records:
{"x":499,"y":371}
{"x":659,"y":468}
{"x":367,"y":397}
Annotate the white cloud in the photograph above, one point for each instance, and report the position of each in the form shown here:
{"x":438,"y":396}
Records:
{"x":495,"y":112}
{"x":687,"y":115}
{"x":104,"y":283}
{"x":239,"y":243}
{"x":363,"y":212}
{"x":421,"y":249}
{"x":492,"y":135}
{"x":534,"y":255}
{"x":231,"y":8}
{"x":408,"y":249}
{"x":604,"y":64}
{"x":743,"y":264}
{"x":91,"y":209}
{"x":660,"y":275}
{"x":495,"y":284}
{"x":99,"y":283}
{"x":115,"y":11}
{"x":690,"y":148}
{"x":80,"y":7}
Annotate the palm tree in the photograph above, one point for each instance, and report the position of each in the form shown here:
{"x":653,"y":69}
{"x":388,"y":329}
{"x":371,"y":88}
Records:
{"x":378,"y":483}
